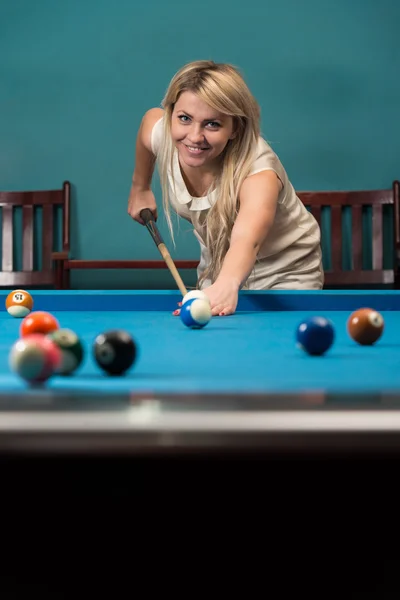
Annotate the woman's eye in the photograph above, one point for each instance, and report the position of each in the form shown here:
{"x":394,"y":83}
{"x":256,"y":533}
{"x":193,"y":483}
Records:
{"x":210,"y":124}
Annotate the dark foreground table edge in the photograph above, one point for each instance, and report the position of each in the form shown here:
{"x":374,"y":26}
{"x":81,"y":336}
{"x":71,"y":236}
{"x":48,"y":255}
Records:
{"x":199,"y":425}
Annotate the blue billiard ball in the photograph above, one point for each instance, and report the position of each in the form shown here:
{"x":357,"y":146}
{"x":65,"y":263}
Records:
{"x":315,"y":335}
{"x":196,"y":313}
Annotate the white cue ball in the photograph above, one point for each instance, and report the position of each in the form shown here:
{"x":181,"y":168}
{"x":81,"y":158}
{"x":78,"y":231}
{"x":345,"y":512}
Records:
{"x":195,"y":294}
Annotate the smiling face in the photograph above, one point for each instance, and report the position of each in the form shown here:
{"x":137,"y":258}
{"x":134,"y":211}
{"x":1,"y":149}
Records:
{"x":199,"y":132}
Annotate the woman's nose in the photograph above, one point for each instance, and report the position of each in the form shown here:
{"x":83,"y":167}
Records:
{"x":196,"y":135}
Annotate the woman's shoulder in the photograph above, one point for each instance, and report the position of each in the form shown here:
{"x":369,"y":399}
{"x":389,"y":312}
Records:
{"x":151,"y":134}
{"x":153,"y":115}
{"x":265,"y":158}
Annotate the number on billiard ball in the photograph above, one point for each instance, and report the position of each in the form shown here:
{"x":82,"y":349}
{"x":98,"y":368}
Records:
{"x":19,"y":303}
{"x":114,"y":351}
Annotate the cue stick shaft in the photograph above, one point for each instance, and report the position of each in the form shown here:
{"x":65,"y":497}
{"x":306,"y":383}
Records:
{"x":150,"y":223}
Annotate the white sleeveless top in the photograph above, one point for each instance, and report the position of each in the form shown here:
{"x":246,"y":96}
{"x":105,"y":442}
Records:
{"x":290,"y":257}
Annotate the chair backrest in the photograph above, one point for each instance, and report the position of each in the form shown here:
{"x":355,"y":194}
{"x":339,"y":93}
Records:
{"x":31,"y":203}
{"x":343,"y":217}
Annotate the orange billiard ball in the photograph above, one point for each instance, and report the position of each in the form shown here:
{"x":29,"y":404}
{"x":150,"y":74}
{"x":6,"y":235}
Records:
{"x":19,"y":303}
{"x":38,"y":322}
{"x":365,"y":326}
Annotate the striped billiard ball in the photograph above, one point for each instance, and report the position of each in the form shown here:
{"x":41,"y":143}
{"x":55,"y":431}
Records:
{"x":71,"y":348}
{"x":196,"y":313}
{"x":19,"y":303}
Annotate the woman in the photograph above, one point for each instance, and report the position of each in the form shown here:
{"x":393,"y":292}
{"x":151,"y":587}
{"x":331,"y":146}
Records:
{"x":217,"y":172}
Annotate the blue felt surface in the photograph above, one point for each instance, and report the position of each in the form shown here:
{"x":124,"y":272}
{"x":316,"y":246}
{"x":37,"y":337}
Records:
{"x":249,"y":352}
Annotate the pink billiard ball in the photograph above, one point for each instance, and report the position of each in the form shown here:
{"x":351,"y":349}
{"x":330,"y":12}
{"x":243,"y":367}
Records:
{"x":35,"y":358}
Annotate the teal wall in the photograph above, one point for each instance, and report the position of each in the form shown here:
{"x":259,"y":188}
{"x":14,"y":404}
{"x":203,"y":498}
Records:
{"x":76,"y":78}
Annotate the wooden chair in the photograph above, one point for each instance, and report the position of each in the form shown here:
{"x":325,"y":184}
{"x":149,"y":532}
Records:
{"x":42,"y":266}
{"x":353,"y":208}
{"x":343,"y":217}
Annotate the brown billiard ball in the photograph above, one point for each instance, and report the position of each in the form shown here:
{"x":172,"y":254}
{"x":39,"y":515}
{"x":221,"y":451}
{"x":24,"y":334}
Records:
{"x":365,"y":326}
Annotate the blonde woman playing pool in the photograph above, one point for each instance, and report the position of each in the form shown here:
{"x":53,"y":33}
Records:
{"x":218,"y":173}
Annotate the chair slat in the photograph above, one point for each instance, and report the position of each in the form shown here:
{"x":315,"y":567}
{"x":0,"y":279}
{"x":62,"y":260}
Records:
{"x":396,"y":210}
{"x":336,"y":237}
{"x":316,"y":212}
{"x":7,"y":262}
{"x":27,"y":238}
{"x":66,"y":215}
{"x":356,"y":236}
{"x":377,"y":237}
{"x":47,"y":236}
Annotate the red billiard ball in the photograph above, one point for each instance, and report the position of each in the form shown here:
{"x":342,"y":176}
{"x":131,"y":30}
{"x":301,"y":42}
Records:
{"x":38,"y":322}
{"x":365,"y":326}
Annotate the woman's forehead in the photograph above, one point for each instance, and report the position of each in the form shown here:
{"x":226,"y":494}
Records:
{"x":197,"y":108}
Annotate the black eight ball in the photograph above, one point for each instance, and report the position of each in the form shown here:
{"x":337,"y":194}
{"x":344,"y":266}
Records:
{"x":114,"y":351}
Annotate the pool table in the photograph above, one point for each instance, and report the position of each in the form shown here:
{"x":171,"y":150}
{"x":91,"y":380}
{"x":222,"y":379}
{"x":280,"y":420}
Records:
{"x":231,"y":417}
{"x":239,"y":383}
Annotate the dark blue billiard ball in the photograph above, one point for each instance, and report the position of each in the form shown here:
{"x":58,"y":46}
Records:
{"x":315,"y":335}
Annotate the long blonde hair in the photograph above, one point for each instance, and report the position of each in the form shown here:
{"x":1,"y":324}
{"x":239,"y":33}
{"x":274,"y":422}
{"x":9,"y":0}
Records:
{"x":223,"y":88}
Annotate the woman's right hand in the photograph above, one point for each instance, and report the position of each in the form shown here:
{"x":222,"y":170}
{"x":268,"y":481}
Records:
{"x":140,"y":199}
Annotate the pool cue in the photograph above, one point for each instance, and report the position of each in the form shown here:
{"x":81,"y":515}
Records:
{"x":150,"y":223}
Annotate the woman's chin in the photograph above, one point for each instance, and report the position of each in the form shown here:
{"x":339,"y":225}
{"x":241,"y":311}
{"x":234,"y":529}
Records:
{"x":193,"y":161}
